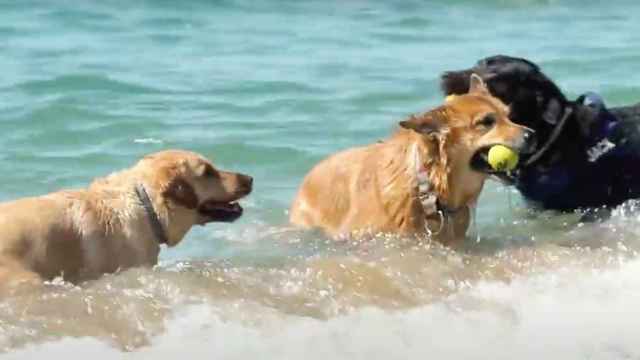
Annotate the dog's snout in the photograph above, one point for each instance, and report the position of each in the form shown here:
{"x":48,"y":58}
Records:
{"x":246,"y":182}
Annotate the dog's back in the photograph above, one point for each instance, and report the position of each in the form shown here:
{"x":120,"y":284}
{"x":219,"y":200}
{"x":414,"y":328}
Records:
{"x":342,"y":192}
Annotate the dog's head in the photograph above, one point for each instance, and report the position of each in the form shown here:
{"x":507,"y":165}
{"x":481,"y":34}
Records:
{"x":189,"y":182}
{"x":468,"y":125}
{"x":534,"y":100}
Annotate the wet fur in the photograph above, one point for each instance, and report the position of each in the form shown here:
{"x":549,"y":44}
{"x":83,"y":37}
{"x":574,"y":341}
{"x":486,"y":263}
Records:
{"x":81,"y":234}
{"x":373,"y":189}
{"x":537,"y":102}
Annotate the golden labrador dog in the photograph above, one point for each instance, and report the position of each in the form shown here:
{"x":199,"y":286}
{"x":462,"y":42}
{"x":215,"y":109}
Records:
{"x":424,"y":179}
{"x":119,"y":222}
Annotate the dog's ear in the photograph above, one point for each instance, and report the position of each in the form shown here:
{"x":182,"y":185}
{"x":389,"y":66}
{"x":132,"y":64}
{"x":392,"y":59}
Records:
{"x":477,"y":85}
{"x":180,"y":191}
{"x":430,"y":123}
{"x":455,"y":82}
{"x":204,"y":169}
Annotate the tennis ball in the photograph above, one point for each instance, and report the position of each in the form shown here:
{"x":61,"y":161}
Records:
{"x":502,"y":158}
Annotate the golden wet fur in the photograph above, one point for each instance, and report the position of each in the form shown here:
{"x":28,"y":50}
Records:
{"x":81,"y":234}
{"x":373,"y":189}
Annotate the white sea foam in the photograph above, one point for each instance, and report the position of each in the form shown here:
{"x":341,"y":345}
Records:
{"x":567,"y":314}
{"x":147,"y":141}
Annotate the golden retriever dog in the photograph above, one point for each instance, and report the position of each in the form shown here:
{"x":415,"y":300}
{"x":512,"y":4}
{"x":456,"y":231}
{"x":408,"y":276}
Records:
{"x":119,"y":221}
{"x":423,"y":180}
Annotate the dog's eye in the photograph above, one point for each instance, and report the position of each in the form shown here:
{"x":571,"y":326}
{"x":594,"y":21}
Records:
{"x":488,"y":121}
{"x":209,"y":171}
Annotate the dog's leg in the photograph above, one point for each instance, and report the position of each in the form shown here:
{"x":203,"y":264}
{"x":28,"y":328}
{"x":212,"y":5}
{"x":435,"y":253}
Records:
{"x":455,"y":228}
{"x":13,"y":275}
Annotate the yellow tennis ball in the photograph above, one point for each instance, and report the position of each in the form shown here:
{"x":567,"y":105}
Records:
{"x":502,"y":158}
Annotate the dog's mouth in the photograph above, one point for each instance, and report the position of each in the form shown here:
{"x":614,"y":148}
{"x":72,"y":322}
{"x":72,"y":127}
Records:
{"x":219,"y":211}
{"x":480,"y":161}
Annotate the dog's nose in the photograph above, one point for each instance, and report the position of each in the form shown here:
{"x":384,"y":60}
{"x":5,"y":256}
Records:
{"x":247,"y":182}
{"x":530,"y":142}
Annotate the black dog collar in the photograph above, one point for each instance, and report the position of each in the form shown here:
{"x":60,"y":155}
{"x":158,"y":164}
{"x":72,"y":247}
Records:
{"x":554,"y":136}
{"x":152,"y":215}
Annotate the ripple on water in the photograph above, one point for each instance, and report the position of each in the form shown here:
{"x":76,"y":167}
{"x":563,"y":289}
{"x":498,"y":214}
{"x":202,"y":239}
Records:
{"x":88,"y":82}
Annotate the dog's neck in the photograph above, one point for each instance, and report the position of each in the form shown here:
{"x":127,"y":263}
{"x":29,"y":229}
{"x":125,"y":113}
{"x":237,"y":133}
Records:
{"x":175,"y":220}
{"x":568,"y":141}
{"x":444,"y":176}
{"x":152,"y":216}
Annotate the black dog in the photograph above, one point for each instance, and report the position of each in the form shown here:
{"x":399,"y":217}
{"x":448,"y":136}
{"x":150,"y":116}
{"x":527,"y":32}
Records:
{"x":586,"y":156}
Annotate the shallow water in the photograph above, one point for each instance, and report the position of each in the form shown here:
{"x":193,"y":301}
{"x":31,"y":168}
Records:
{"x":269,"y":89}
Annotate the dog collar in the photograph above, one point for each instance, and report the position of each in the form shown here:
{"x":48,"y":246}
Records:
{"x":428,"y":197}
{"x":554,"y":136}
{"x":152,"y":215}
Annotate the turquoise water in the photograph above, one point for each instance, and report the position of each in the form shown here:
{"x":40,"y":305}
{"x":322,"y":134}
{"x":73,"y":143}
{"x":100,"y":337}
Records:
{"x":270,"y":88}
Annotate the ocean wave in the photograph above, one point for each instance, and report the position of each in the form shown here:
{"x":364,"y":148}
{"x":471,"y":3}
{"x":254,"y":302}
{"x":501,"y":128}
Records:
{"x":567,"y":312}
{"x":70,"y":83}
